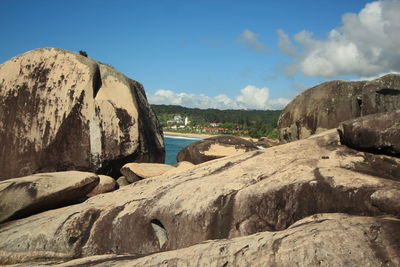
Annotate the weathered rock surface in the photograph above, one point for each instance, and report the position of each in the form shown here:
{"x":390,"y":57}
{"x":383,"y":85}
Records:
{"x":214,"y":148}
{"x":106,"y":184}
{"x":267,"y":142}
{"x":138,"y":171}
{"x":21,"y":197}
{"x":320,"y":240}
{"x":257,"y":191}
{"x":63,"y":111}
{"x":183,"y":165}
{"x":378,"y":133}
{"x":326,"y":105}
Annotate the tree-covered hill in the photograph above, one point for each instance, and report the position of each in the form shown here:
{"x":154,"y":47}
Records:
{"x":255,"y":123}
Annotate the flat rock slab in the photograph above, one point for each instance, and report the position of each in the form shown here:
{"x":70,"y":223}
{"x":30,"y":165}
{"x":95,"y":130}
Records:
{"x":320,"y":240}
{"x":138,"y":171}
{"x":20,"y":197}
{"x":214,"y":148}
{"x":378,"y":133}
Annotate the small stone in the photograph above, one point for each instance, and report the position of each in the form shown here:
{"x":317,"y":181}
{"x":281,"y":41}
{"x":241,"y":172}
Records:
{"x":122,"y":181}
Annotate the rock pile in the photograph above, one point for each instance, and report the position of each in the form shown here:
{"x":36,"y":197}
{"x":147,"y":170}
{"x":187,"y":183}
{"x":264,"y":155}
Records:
{"x":266,"y":195}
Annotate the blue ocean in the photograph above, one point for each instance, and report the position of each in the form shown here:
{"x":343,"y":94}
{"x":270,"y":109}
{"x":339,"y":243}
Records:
{"x":174,"y":143}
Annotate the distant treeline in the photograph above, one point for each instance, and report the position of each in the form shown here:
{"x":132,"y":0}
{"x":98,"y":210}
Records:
{"x":256,"y":123}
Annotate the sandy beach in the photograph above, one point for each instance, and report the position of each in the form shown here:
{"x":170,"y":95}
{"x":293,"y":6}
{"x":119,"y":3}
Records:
{"x":204,"y":135}
{"x":189,"y":134}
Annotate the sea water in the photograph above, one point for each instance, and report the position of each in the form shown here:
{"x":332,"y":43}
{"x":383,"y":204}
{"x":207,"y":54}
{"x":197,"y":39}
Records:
{"x":174,"y":144}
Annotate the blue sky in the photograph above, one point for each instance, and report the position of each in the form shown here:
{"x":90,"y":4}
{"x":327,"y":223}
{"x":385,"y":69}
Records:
{"x":224,"y":54}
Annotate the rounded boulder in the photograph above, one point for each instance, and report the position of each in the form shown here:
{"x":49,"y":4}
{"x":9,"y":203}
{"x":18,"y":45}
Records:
{"x":214,"y":148}
{"x":325,"y":106}
{"x":62,"y":111}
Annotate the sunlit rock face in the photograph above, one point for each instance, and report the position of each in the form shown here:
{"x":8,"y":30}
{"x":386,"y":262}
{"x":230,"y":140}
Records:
{"x":63,"y":111}
{"x":262,"y":193}
{"x":326,"y":105}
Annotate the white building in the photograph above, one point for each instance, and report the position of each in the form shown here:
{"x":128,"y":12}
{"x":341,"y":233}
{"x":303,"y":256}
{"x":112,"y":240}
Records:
{"x":186,"y":121}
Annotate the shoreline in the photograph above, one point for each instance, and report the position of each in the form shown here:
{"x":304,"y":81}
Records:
{"x":189,"y":134}
{"x":204,"y":135}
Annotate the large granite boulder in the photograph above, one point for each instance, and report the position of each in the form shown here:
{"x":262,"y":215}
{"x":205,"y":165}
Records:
{"x":326,"y":105}
{"x":378,"y":133}
{"x":214,"y":148}
{"x":23,"y":196}
{"x":258,"y":191}
{"x":138,"y":171}
{"x":63,"y":111}
{"x":320,"y":240}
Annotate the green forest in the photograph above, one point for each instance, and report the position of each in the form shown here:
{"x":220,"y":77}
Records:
{"x":254,"y":123}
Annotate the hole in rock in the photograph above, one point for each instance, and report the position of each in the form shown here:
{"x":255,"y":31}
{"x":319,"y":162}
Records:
{"x":159,"y":232}
{"x":359,"y":102}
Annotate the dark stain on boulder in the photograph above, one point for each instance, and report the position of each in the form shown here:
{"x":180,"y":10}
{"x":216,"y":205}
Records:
{"x":222,"y":168}
{"x":388,"y":91}
{"x":279,"y":209}
{"x":64,"y":152}
{"x":83,"y":226}
{"x":381,"y":253}
{"x":40,"y":74}
{"x":22,"y":102}
{"x":380,"y":166}
{"x":104,"y":224}
{"x":222,"y":219}
{"x":125,"y":123}
{"x":29,"y":187}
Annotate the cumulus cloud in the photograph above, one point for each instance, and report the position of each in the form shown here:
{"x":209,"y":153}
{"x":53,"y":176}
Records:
{"x":366,"y":44}
{"x":285,"y":45}
{"x":250,"y":39}
{"x":250,"y":97}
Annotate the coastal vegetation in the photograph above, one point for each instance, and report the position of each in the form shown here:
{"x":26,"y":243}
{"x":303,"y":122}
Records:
{"x":253,"y":123}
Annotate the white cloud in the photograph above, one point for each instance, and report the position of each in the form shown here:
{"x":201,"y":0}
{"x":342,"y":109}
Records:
{"x":251,"y":97}
{"x":250,"y":39}
{"x":285,"y":45}
{"x":366,"y":44}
